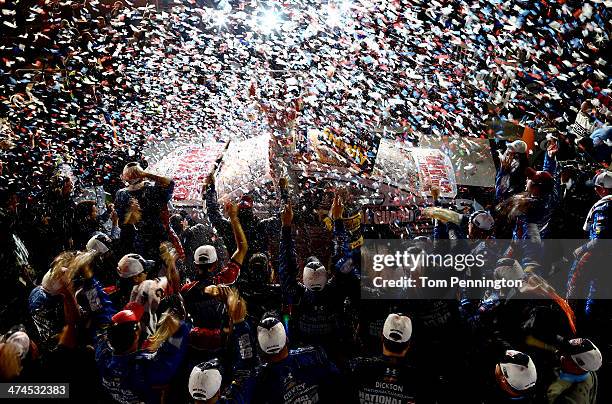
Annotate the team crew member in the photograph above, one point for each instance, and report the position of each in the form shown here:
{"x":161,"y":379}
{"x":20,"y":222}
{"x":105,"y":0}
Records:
{"x":515,"y":379}
{"x":292,"y":376}
{"x":387,"y":378}
{"x":208,"y":314}
{"x":129,"y":373}
{"x":316,"y":302}
{"x":576,"y":380}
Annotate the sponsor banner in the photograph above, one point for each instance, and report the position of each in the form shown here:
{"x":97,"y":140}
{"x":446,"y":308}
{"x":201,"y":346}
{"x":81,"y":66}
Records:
{"x":470,"y":157}
{"x":334,"y":149}
{"x":489,"y":269}
{"x":189,"y":165}
{"x":245,"y":167}
{"x":415,"y":169}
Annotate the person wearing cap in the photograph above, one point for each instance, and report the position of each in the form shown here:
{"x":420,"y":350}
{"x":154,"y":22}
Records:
{"x":207,"y":313}
{"x":152,"y":199}
{"x":510,"y":178}
{"x":258,"y":232}
{"x":315,"y":302}
{"x":256,"y":287}
{"x":197,"y":235}
{"x":576,"y":378}
{"x":105,"y":262}
{"x":591,"y":255}
{"x":388,"y":377}
{"x":206,"y":379}
{"x":129,"y":374}
{"x":132,"y":271}
{"x":296,"y":375}
{"x":531,"y":212}
{"x":514,"y":379}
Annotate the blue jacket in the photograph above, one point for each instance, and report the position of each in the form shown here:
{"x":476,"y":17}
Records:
{"x":316,"y":313}
{"x":306,"y":375}
{"x":130,"y":378}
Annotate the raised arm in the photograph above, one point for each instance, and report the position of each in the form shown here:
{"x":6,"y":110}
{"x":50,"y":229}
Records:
{"x":287,"y":270}
{"x":164,"y":182}
{"x":212,"y":205}
{"x":231,"y":210}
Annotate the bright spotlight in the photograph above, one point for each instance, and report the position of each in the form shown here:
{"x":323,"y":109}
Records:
{"x":220,"y":19}
{"x":333,"y":16}
{"x":268,"y":21}
{"x":345,"y":6}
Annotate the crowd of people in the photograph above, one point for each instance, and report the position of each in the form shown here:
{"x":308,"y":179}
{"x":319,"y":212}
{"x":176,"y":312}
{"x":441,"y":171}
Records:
{"x":140,"y":303}
{"x":134,"y":300}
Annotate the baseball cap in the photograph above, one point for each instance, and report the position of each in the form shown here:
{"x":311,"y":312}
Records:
{"x":604,"y":180}
{"x":585,"y":354}
{"x":205,"y":254}
{"x":482,"y":220}
{"x":271,"y":335}
{"x":508,"y":268}
{"x":549,"y":137}
{"x":133,"y":264}
{"x":518,"y":370}
{"x":540,"y":178}
{"x":246,"y":202}
{"x":314,"y":275}
{"x":397,"y":328}
{"x":205,"y":380}
{"x":131,"y":313}
{"x":518,"y":146}
{"x":99,"y":243}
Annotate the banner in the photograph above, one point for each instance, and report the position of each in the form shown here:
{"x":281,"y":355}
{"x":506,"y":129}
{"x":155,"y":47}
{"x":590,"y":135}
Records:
{"x":415,"y":169}
{"x":435,"y":170}
{"x":470,"y":157}
{"x":189,"y":165}
{"x":245,"y":167}
{"x":334,"y":149}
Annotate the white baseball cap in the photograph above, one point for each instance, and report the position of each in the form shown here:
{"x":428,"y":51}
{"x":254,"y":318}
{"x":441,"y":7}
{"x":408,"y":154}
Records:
{"x":585,"y":354}
{"x":21,"y":341}
{"x":132,"y":264}
{"x":604,"y":180}
{"x":518,"y":146}
{"x":271,"y":335}
{"x":549,"y":137}
{"x":519,"y":370}
{"x":205,"y":254}
{"x":99,"y":243}
{"x":205,"y":380}
{"x":397,"y":328}
{"x":482,"y":220}
{"x":314,"y":275}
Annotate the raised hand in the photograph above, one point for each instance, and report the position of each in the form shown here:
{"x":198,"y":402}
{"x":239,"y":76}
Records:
{"x":287,"y":215}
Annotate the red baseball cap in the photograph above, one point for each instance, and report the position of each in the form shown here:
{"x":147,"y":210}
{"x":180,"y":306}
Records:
{"x":246,"y":202}
{"x":131,"y":313}
{"x":543,"y":178}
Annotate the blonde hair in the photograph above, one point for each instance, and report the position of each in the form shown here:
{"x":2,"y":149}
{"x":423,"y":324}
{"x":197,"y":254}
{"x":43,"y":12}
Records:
{"x":10,"y":362}
{"x":169,"y":255}
{"x":167,"y":326}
